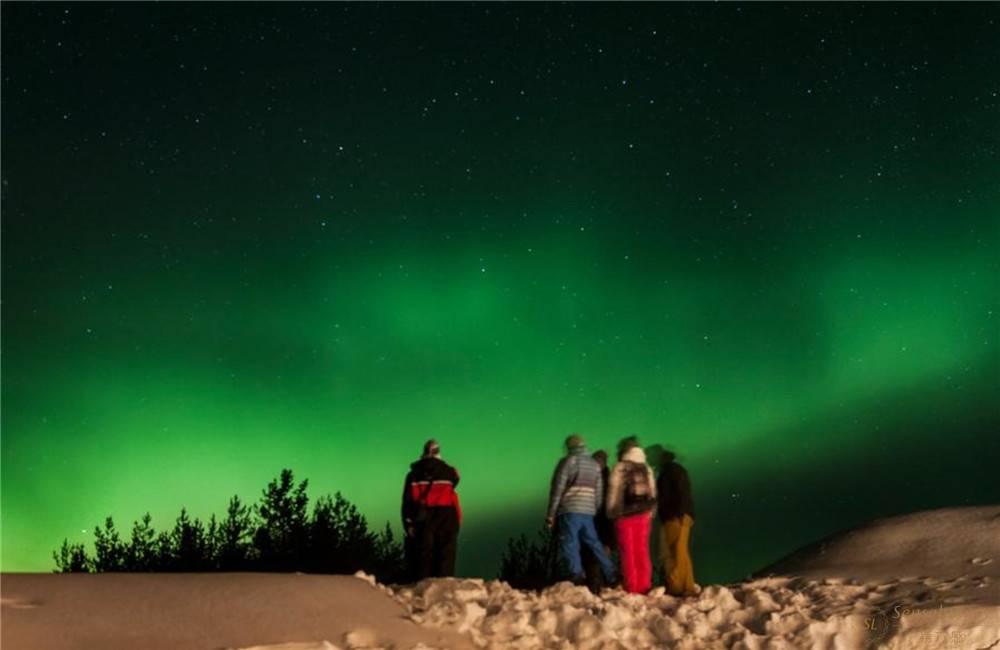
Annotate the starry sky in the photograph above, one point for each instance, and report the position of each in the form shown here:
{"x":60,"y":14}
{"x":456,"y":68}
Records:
{"x":242,"y":237}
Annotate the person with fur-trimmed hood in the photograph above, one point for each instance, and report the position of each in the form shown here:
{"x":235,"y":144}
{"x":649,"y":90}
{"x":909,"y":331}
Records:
{"x":432,"y":515}
{"x":630,"y":504}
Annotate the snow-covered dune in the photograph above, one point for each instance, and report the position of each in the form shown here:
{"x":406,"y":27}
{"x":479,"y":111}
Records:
{"x":944,"y":543}
{"x":205,"y":612}
{"x":923,"y":581}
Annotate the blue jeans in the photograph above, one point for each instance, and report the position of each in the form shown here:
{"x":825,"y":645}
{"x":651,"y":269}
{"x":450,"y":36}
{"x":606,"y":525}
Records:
{"x":576,"y":529}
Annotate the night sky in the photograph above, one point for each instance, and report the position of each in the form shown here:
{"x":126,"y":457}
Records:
{"x":242,"y":237}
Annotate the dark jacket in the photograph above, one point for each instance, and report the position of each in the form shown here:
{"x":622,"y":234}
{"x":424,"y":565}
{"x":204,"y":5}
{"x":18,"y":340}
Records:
{"x":673,"y":488}
{"x":430,"y":482}
{"x":605,"y":527}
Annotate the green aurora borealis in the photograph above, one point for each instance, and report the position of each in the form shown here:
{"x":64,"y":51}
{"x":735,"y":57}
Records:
{"x":244,"y":237}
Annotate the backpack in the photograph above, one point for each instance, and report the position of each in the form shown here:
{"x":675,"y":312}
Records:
{"x":638,"y":493}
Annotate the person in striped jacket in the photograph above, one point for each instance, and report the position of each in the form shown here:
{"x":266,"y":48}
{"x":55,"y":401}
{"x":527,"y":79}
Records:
{"x":576,"y":496}
{"x":432,"y":515}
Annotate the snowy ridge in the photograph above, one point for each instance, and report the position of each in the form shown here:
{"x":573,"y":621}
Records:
{"x":773,"y":613}
{"x":946,"y":542}
{"x":925,"y":580}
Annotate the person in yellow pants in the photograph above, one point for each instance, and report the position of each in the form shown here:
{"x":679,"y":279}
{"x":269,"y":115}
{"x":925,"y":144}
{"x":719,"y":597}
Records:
{"x":674,"y":555}
{"x":675,"y":507}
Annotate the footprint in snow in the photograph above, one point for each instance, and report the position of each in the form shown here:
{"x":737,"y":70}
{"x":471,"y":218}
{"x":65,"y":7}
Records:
{"x":18,"y":603}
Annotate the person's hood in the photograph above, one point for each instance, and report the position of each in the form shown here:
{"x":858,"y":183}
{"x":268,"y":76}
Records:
{"x":635,"y":455}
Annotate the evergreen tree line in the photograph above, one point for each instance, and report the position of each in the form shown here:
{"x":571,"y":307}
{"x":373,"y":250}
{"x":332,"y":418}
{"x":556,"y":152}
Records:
{"x":280,"y":533}
{"x":532,"y":564}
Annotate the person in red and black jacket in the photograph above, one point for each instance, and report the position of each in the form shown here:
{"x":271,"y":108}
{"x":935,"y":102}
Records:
{"x":431,"y":515}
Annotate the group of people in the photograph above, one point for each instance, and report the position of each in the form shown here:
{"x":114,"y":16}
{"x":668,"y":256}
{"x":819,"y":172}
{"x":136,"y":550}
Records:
{"x":598,"y":509}
{"x":593,"y":510}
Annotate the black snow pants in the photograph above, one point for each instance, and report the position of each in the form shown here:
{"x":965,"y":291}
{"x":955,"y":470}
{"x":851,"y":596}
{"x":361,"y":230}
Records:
{"x":432,"y":549}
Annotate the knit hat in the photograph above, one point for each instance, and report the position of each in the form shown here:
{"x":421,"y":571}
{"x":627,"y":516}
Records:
{"x":432,"y":448}
{"x":627,"y":443}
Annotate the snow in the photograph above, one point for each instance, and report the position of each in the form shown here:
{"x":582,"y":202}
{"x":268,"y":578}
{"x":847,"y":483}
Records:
{"x":923,"y":581}
{"x":773,"y":612}
{"x":207,"y":611}
{"x":947,"y":542}
{"x":926,"y":580}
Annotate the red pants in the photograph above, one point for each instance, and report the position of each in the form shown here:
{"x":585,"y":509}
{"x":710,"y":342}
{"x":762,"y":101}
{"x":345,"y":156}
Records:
{"x":633,"y":548}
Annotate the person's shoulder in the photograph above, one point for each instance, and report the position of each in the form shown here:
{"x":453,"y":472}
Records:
{"x":443,"y":464}
{"x":676,"y":471}
{"x":566,"y":462}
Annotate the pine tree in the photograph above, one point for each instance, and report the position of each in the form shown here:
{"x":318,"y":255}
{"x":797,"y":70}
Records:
{"x":211,"y":544}
{"x":324,"y":538}
{"x":72,"y":558}
{"x":109,"y":551}
{"x":282,"y":535}
{"x":339,"y":538}
{"x":141,"y":553}
{"x":390,"y":563}
{"x":233,"y":537}
{"x":355,"y":542}
{"x":164,"y":551}
{"x":531,"y":564}
{"x":189,"y":544}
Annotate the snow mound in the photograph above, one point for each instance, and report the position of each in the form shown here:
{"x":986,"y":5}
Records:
{"x":927,"y":580}
{"x":942,"y":543}
{"x":773,"y":613}
{"x":198,"y":611}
